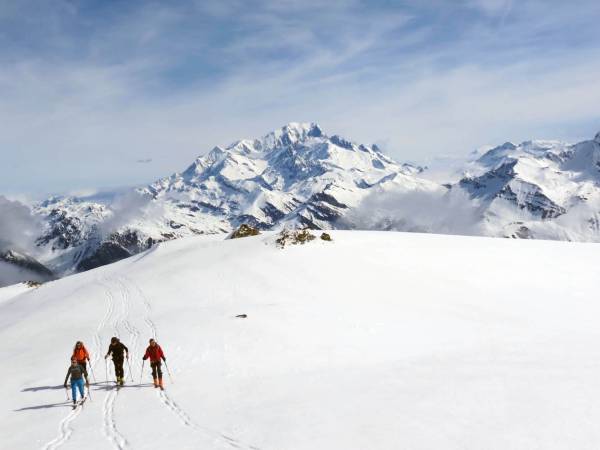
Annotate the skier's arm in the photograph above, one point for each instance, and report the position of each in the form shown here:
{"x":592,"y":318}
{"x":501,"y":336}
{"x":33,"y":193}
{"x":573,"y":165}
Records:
{"x":126,"y":350}
{"x":108,"y":352}
{"x":162,"y":354}
{"x":67,"y":377}
{"x":85,"y":374}
{"x":147,"y":354}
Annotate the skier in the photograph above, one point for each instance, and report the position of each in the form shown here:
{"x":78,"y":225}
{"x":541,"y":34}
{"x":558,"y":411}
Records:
{"x":117,"y":348}
{"x":155,"y":353}
{"x":81,"y":354}
{"x":76,"y":372}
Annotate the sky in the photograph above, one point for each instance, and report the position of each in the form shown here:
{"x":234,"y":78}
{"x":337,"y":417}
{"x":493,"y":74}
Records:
{"x":106,"y":94}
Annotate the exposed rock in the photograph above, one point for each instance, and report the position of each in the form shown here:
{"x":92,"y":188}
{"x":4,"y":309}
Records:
{"x":326,"y":236}
{"x":244,"y":231}
{"x":294,"y":237}
{"x":108,"y":252}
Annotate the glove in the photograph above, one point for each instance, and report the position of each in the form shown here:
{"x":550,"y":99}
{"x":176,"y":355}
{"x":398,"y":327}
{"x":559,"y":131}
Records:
{"x":164,"y":359}
{"x":87,"y":384}
{"x":65,"y":385}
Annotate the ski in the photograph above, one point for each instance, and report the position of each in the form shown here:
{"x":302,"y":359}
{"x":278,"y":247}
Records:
{"x":79,"y":402}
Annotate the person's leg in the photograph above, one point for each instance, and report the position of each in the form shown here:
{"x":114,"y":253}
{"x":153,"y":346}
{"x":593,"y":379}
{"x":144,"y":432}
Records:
{"x":120,"y":371}
{"x":80,"y":387}
{"x":153,"y":365}
{"x":118,"y":368}
{"x":73,"y":390}
{"x":158,"y":369}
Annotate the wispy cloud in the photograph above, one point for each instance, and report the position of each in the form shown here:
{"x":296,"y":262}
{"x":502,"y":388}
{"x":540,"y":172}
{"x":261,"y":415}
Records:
{"x":18,"y":227}
{"x":444,"y":212}
{"x":88,"y":89}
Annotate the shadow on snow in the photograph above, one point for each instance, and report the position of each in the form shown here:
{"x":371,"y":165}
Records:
{"x":65,"y":404}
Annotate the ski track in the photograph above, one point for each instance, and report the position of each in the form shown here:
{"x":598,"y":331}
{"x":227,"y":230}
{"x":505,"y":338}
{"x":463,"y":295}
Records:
{"x":110,"y":426}
{"x":165,"y":398}
{"x":64,"y":427}
{"x":64,"y":430}
{"x":118,"y":314}
{"x":129,"y":327}
{"x":185,"y":419}
{"x":108,"y":408}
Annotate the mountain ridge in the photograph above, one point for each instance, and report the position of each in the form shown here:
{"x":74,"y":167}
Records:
{"x":299,"y":176}
{"x":294,"y":176}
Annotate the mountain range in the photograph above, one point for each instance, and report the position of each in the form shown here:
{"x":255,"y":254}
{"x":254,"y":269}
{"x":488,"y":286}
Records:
{"x":298,"y":176}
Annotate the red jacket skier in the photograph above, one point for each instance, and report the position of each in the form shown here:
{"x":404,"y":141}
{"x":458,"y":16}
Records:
{"x":155,"y":353}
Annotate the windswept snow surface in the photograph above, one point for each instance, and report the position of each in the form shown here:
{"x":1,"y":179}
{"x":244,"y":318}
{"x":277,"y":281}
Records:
{"x":9,"y":292}
{"x":373,"y":341}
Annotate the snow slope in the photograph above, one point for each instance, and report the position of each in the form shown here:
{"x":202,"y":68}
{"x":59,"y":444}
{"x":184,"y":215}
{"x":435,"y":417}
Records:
{"x":373,"y":341}
{"x":9,"y":292}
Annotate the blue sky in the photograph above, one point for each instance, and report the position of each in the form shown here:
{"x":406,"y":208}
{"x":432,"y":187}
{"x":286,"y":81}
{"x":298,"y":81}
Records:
{"x":89,"y":89}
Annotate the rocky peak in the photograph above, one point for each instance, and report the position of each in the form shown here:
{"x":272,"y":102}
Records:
{"x":202,"y":162}
{"x":291,"y":134}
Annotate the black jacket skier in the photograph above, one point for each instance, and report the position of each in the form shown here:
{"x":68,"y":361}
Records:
{"x":118,"y":349}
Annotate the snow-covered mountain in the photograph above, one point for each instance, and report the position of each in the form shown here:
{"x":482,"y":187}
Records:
{"x":300,"y":176}
{"x":376,"y":340}
{"x":539,"y":189}
{"x":16,"y":266}
{"x":296,"y":175}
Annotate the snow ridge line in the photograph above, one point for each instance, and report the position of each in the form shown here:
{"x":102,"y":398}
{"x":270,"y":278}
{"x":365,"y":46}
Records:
{"x":167,"y":400}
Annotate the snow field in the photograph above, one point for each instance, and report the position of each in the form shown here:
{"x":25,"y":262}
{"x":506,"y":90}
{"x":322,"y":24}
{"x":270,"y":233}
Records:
{"x":373,"y":341}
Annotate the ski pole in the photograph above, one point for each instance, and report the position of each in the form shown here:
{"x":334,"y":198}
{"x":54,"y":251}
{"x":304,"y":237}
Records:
{"x":169,"y":372}
{"x":92,"y":370}
{"x":67,"y":393}
{"x":89,"y":391}
{"x":142,"y":372}
{"x":130,"y":372}
{"x":106,"y":367}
